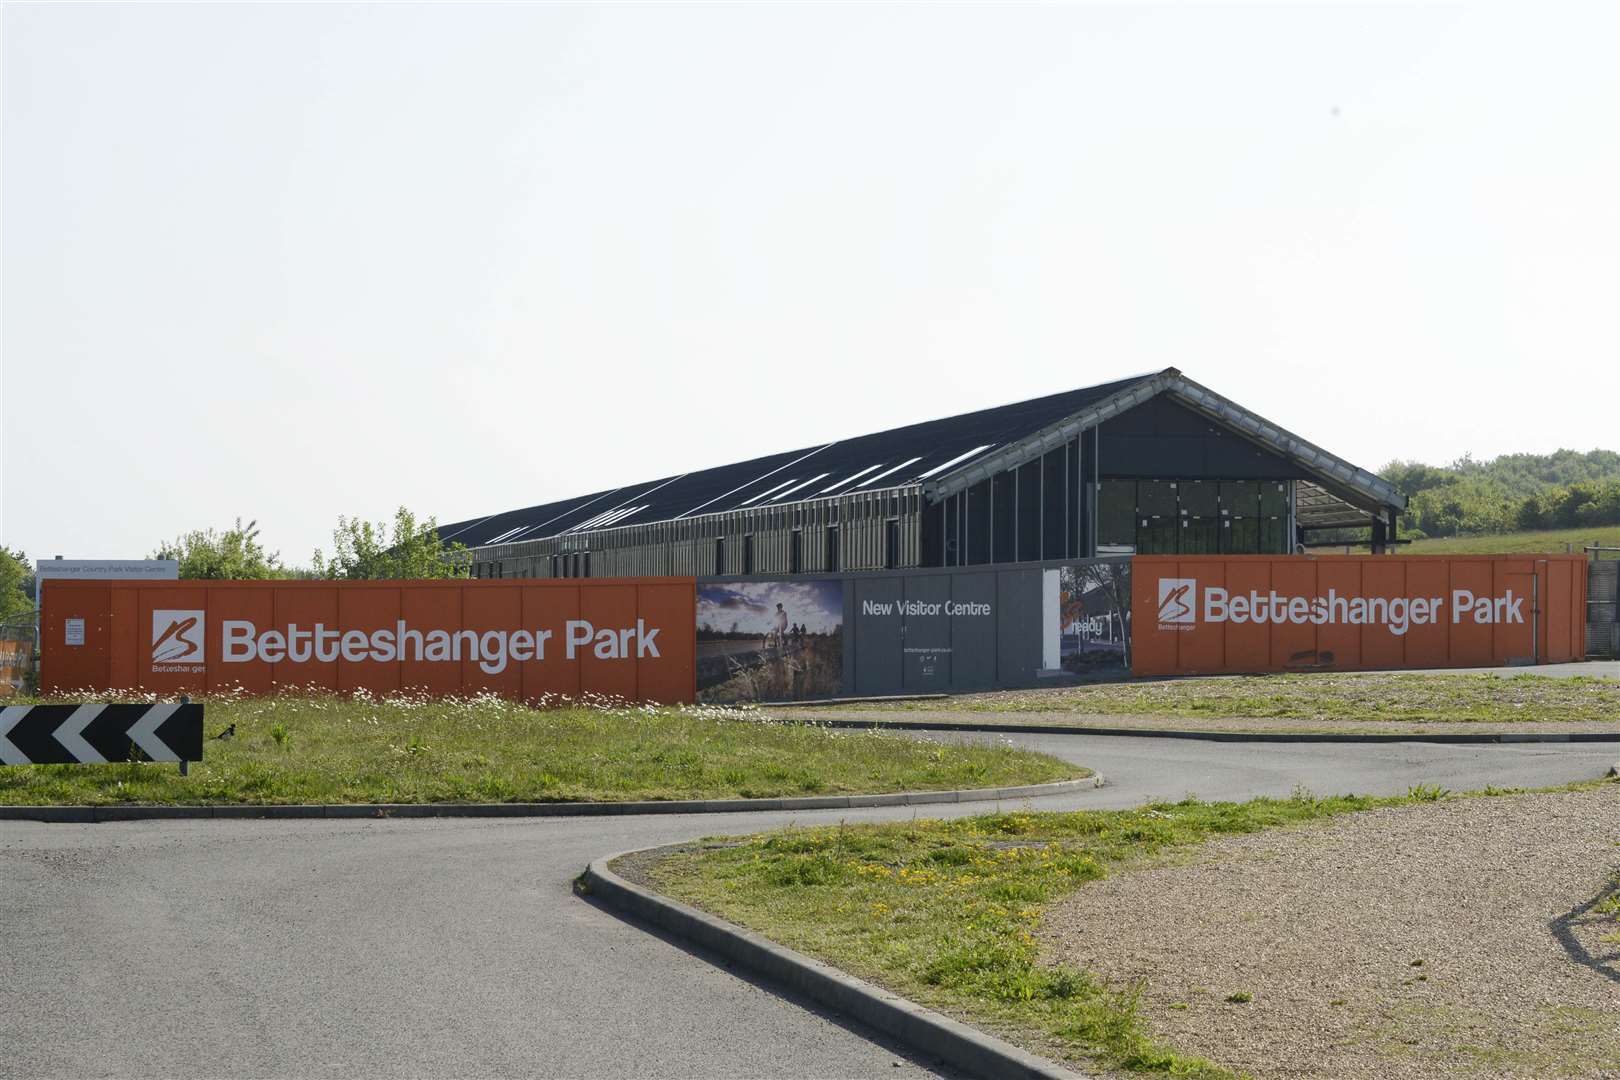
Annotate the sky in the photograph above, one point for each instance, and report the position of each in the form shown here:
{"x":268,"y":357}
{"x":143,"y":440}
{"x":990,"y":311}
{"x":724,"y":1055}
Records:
{"x":750,"y":607}
{"x":293,"y":262}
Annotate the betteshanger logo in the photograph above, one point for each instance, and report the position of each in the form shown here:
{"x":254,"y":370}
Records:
{"x":1178,"y":599}
{"x":177,"y":636}
{"x":1179,"y":608}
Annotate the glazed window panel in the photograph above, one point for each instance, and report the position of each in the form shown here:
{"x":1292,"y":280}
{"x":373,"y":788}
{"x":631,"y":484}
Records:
{"x":1240,"y":536}
{"x":1200,"y":536}
{"x":1116,"y":513}
{"x":1199,"y":498}
{"x":1273,"y":499}
{"x":1157,"y":536}
{"x":1156,"y":498}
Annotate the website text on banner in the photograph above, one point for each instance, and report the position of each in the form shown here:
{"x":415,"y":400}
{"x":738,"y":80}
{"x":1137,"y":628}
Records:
{"x":1307,"y":613}
{"x":628,"y":637}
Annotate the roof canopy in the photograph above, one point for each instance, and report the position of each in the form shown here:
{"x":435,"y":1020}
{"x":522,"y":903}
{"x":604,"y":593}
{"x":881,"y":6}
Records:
{"x":941,"y":456}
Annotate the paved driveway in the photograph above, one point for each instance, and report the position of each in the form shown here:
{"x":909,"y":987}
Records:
{"x":455,"y":948}
{"x":1591,"y":669}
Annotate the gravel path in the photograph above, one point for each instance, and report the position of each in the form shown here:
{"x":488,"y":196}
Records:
{"x":1414,"y":942}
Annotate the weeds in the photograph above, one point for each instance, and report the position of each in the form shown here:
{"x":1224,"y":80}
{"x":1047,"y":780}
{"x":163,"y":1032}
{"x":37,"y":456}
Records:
{"x":317,"y":747}
{"x":1317,"y":697}
{"x":947,"y":911}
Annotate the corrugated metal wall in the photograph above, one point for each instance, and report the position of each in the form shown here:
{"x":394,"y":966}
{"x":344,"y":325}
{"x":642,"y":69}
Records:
{"x":1046,"y":508}
{"x":874,"y":530}
{"x":1045,"y":512}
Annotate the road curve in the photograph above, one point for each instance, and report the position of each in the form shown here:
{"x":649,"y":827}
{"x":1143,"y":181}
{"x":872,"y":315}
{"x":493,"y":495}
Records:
{"x":455,"y":947}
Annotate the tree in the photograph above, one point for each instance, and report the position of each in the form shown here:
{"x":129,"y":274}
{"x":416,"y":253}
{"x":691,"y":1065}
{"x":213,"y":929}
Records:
{"x":16,"y":587}
{"x":1411,"y":477}
{"x":361,"y":550}
{"x":1564,"y":489}
{"x":234,"y":554}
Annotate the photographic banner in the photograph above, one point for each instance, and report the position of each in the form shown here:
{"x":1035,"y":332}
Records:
{"x":1094,"y":618}
{"x":770,"y":640}
{"x":16,"y":664}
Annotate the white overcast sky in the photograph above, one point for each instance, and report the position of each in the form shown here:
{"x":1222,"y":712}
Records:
{"x":290,"y":262}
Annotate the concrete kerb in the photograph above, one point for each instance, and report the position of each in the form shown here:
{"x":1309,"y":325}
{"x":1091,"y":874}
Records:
{"x":930,"y":1033}
{"x":1228,"y":736}
{"x":90,"y":814}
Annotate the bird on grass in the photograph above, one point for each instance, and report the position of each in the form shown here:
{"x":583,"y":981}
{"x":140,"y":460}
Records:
{"x":228,"y":733}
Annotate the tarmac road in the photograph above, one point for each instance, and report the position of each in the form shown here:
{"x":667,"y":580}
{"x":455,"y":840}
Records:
{"x":454,"y":947}
{"x":1584,"y":669}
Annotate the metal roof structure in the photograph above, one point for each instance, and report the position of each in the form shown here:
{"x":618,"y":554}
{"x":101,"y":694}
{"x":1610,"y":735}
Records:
{"x":941,"y":456}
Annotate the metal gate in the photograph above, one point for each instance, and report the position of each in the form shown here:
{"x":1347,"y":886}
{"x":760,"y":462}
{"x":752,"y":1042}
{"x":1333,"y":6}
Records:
{"x":1602,"y":608}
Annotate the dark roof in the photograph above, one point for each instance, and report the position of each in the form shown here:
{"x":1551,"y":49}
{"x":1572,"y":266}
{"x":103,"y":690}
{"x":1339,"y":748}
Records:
{"x":870,"y":462}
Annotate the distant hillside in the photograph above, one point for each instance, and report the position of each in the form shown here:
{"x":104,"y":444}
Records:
{"x":1562,"y":490}
{"x":1545,"y":541}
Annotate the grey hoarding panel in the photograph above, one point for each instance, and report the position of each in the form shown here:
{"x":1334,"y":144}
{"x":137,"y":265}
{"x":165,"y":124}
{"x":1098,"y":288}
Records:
{"x":1018,"y":627}
{"x":927,"y":634}
{"x":878,"y":637}
{"x":909,"y":632}
{"x":973,"y":631}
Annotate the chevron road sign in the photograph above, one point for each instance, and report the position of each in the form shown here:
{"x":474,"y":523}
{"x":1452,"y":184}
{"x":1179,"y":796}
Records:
{"x":96,"y":734}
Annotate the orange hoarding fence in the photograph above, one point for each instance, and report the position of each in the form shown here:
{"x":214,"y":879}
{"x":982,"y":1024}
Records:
{"x":627,"y":637}
{"x":1254,"y":613}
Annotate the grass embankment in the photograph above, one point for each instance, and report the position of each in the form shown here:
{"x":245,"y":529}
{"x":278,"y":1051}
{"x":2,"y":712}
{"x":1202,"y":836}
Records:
{"x":328,"y":749}
{"x":945,"y":912}
{"x":1317,"y":698}
{"x":1534,"y":542}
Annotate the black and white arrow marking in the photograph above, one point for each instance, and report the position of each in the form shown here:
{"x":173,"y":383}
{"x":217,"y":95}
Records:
{"x":97,"y":734}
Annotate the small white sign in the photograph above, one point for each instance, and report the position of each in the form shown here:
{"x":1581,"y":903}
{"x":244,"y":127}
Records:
{"x":105,"y":570}
{"x":73,"y":632}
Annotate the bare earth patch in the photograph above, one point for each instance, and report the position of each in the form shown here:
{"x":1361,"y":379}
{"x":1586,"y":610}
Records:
{"x":1411,"y":942}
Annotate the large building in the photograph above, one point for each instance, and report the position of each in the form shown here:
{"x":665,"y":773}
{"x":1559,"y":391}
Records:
{"x":1155,"y":464}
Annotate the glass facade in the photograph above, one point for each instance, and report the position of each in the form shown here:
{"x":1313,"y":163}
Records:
{"x":1194,"y":517}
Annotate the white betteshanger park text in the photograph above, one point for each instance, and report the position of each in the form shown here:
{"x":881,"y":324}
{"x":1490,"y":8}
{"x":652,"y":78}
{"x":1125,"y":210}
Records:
{"x":492,"y":649}
{"x":1398,"y":613}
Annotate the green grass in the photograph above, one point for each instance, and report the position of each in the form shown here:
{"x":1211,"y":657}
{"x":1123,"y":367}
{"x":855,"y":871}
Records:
{"x":1540,"y":542}
{"x":1609,"y":908}
{"x":1320,"y":697}
{"x":945,"y":912}
{"x":1559,"y":1041}
{"x":328,"y":749}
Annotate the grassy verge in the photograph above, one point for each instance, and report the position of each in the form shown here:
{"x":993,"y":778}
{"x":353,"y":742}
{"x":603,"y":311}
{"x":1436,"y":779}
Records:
{"x":1318,"y":698}
{"x":322,"y":749}
{"x":1536,"y":542}
{"x":944,"y":912}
